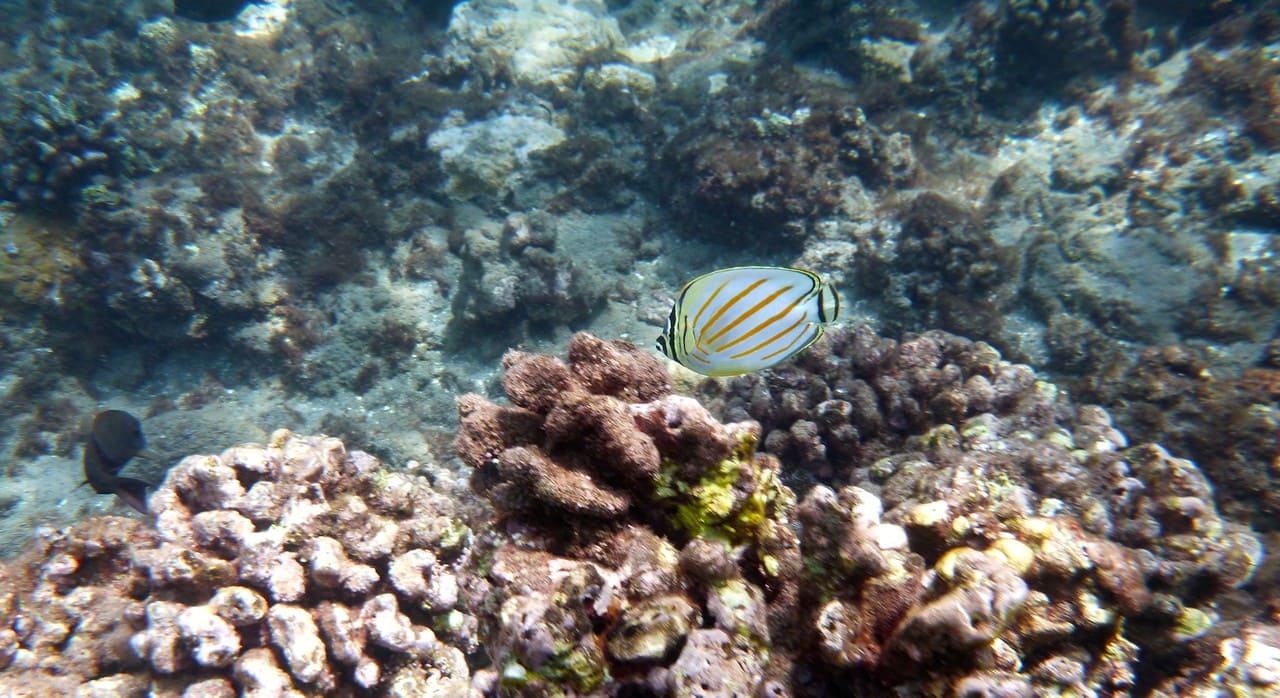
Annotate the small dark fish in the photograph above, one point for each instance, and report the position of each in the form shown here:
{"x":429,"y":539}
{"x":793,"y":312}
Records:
{"x":210,"y":10}
{"x":115,"y":438}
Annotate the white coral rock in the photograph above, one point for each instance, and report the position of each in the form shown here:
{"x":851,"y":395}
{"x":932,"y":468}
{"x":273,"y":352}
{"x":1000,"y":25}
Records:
{"x":295,"y":634}
{"x":213,"y":641}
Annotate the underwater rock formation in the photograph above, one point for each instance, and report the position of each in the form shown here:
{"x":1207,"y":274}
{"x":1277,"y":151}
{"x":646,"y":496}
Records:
{"x":943,"y":269}
{"x":998,"y":54}
{"x":1226,"y":423}
{"x":491,"y":158}
{"x":291,"y":569}
{"x":58,"y":150}
{"x":537,"y":43}
{"x":994,"y":539}
{"x":998,"y":537}
{"x":514,"y":279}
{"x":756,"y":169}
{"x":1046,"y":43}
{"x":863,"y":40}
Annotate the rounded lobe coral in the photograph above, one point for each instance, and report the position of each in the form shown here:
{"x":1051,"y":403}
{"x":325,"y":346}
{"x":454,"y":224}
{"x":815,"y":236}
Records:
{"x":617,"y":368}
{"x":535,"y":381}
{"x":214,"y":604}
{"x":559,"y":488}
{"x":486,"y":429}
{"x":293,"y":632}
{"x":602,"y":428}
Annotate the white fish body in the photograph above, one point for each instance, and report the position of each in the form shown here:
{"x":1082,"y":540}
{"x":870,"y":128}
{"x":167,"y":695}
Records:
{"x":743,"y":319}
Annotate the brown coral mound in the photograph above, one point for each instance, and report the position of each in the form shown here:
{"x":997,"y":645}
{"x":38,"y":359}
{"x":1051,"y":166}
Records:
{"x":571,"y":434}
{"x":857,"y":396}
{"x":596,"y":465}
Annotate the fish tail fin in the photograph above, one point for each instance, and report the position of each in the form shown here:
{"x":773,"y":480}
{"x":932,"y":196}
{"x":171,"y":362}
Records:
{"x":828,"y":304}
{"x":133,"y":492}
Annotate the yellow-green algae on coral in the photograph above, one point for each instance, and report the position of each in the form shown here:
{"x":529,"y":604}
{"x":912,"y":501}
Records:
{"x":100,"y":195}
{"x":736,"y":598}
{"x":976,"y":428}
{"x":454,"y":535}
{"x":582,"y":667}
{"x":573,"y":669}
{"x":941,"y":436}
{"x":711,"y":507}
{"x":1059,"y":436}
{"x":988,"y":491}
{"x":1054,"y":546}
{"x":1193,"y":622}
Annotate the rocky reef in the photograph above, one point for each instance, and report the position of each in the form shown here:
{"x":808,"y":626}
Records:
{"x":762,"y":167}
{"x":996,"y":539}
{"x":1166,"y":394}
{"x":513,"y":279}
{"x":336,"y":216}
{"x":339,"y":201}
{"x":969,"y":531}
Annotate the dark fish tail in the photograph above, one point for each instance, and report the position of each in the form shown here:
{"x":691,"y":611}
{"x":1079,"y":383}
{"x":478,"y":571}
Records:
{"x":133,"y":492}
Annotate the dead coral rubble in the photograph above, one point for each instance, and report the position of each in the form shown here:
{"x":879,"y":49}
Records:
{"x":298,"y":569}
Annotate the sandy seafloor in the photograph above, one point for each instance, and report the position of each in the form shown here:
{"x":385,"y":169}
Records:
{"x":335,"y":217}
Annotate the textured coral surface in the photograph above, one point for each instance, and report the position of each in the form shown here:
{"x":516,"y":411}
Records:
{"x":963,"y":529}
{"x":336,"y":217}
{"x":998,"y":539}
{"x":297,"y":568}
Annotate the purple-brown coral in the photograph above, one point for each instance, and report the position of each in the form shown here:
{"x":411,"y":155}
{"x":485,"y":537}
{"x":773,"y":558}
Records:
{"x":985,"y":473}
{"x":569,"y":445}
{"x":599,"y":466}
